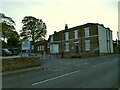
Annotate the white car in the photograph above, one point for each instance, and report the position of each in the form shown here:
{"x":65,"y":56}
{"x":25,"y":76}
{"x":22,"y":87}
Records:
{"x":6,"y":52}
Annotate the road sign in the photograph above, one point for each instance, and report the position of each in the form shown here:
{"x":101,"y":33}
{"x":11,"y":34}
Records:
{"x":25,"y":45}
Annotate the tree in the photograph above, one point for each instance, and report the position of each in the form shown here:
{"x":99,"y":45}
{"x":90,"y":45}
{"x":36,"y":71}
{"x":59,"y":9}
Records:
{"x":7,"y":26}
{"x":13,"y":40}
{"x":33,"y":28}
{"x":9,"y":33}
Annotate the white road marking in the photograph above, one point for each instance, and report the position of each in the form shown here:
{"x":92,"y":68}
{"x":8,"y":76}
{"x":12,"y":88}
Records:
{"x":54,"y":78}
{"x":57,"y":69}
{"x":100,"y":64}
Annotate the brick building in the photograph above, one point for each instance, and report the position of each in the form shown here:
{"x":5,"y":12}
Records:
{"x":91,"y":39}
{"x":41,"y":47}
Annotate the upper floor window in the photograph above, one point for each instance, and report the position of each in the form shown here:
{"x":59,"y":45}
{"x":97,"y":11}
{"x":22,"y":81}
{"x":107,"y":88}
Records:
{"x":76,"y":34}
{"x":66,"y":36}
{"x":87,"y":32}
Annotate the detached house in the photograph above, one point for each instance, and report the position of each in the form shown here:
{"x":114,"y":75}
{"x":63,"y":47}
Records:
{"x":91,"y":39}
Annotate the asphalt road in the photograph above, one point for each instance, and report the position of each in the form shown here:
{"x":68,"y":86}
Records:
{"x":97,"y":72}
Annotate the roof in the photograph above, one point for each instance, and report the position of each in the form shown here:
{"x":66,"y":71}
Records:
{"x":84,"y":25}
{"x":41,"y":42}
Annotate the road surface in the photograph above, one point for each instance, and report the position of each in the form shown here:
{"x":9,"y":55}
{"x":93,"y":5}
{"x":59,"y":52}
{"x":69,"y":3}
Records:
{"x":97,"y":72}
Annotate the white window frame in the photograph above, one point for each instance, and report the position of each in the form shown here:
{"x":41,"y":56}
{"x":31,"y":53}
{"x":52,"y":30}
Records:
{"x":38,"y":48}
{"x":87,"y":32}
{"x":67,"y":45}
{"x":76,"y":34}
{"x":87,"y":45}
{"x":67,"y":36}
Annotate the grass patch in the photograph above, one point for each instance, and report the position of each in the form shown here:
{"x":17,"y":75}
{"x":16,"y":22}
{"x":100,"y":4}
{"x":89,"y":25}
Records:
{"x":19,"y":63}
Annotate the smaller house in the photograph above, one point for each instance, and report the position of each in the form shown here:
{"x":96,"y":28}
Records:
{"x":41,"y":47}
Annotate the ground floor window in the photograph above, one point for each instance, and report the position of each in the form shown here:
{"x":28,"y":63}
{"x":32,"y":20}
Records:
{"x":67,"y":47}
{"x":40,"y":48}
{"x":87,"y":45}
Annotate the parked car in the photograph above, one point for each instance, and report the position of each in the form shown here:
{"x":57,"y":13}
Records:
{"x":14,"y":51}
{"x":6,"y":52}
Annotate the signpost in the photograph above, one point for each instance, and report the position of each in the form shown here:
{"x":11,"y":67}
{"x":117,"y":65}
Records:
{"x":26,"y":45}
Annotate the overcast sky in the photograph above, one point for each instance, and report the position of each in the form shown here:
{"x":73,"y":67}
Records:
{"x":57,"y":13}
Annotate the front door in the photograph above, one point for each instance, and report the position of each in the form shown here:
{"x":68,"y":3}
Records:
{"x":76,"y":48}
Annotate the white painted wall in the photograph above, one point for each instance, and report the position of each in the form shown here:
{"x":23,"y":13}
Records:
{"x":54,"y":48}
{"x":102,"y":39}
{"x":111,"y":42}
{"x":104,"y":45}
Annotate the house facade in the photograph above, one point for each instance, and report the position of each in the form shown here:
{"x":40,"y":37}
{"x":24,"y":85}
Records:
{"x":91,"y":39}
{"x":41,"y":47}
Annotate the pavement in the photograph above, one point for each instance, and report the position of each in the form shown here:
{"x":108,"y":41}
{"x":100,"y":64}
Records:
{"x":97,"y":72}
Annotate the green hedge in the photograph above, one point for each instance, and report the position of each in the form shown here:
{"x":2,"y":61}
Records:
{"x":19,"y":63}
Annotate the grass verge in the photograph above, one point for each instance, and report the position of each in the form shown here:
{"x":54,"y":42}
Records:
{"x":19,"y":63}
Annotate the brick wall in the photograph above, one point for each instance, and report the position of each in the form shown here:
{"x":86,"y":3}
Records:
{"x":59,"y":37}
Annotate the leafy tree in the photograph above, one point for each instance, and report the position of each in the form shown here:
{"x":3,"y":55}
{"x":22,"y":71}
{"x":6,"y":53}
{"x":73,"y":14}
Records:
{"x":33,"y":28}
{"x":8,"y":30}
{"x":7,"y":25}
{"x":13,"y":40}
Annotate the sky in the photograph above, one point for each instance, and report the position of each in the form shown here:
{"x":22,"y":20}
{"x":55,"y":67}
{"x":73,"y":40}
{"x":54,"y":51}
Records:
{"x":57,"y":13}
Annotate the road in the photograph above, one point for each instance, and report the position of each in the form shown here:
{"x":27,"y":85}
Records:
{"x":97,"y":72}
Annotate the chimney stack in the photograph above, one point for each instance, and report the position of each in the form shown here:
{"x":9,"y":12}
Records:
{"x":66,"y":26}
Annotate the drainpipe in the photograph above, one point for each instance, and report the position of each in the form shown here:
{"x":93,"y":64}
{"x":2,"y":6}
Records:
{"x":61,"y":46}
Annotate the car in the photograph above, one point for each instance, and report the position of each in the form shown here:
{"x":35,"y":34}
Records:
{"x":12,"y":51}
{"x":6,"y":52}
{"x":15,"y":51}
